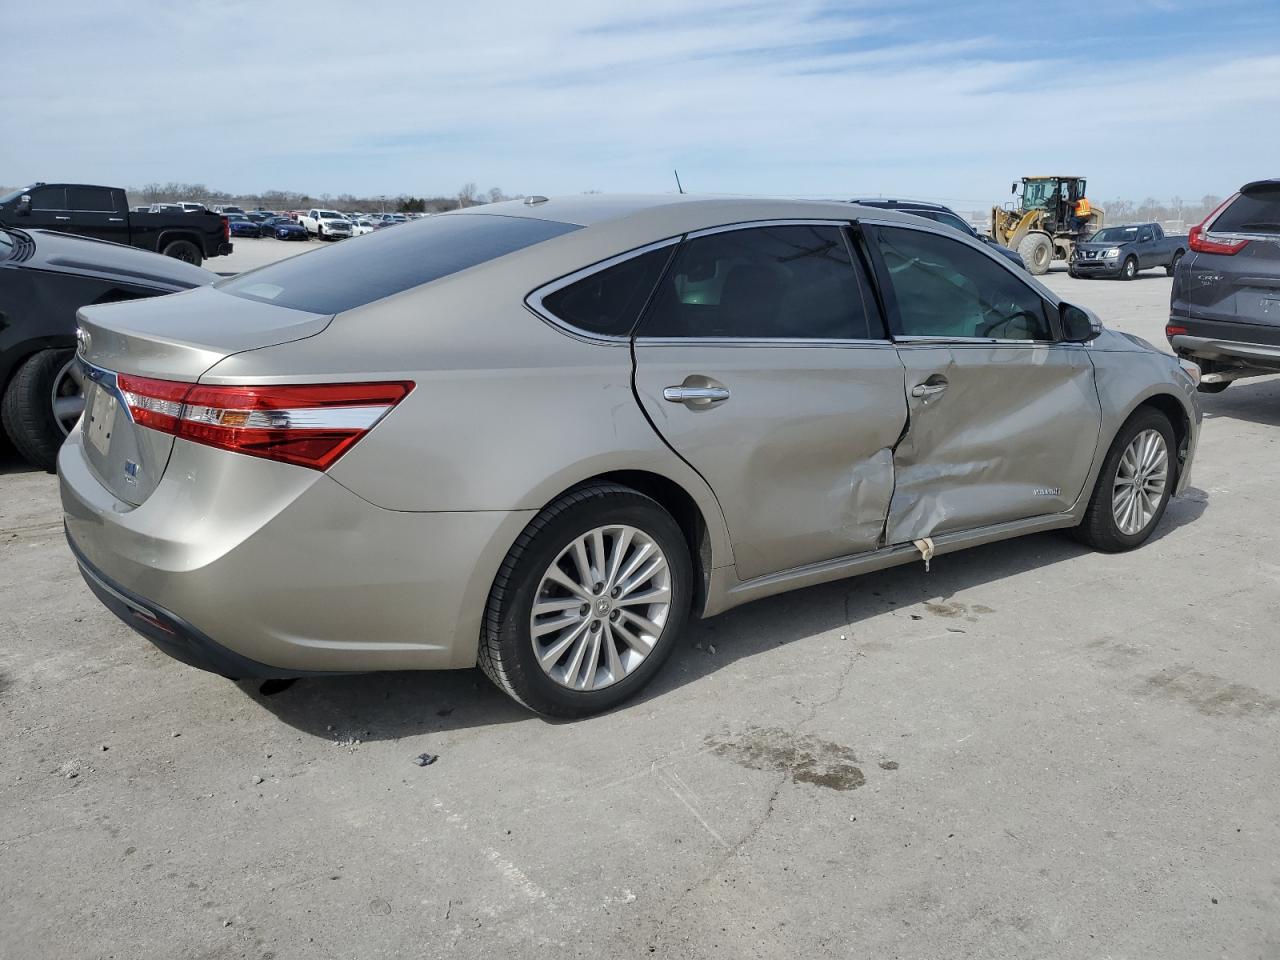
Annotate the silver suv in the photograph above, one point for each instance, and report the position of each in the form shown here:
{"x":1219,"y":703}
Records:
{"x":537,"y":435}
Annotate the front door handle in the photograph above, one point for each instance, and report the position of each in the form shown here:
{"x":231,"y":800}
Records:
{"x":61,"y":218}
{"x":926,"y":390}
{"x":702,"y":396}
{"x":115,"y":219}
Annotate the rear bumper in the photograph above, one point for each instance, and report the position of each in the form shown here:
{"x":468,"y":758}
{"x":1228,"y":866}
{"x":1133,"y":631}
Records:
{"x":252,"y":568}
{"x":1248,"y":344}
{"x":169,"y":632}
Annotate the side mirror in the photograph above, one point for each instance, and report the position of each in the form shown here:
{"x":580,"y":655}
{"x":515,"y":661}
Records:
{"x":23,"y":209}
{"x":1014,"y":188}
{"x":1078,"y":326}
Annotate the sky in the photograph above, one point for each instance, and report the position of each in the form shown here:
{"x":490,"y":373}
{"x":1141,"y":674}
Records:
{"x":943,"y":100}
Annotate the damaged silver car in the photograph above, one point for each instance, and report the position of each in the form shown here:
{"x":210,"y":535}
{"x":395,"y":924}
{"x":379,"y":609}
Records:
{"x":538,"y":435}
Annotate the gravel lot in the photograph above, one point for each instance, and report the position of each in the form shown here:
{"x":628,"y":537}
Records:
{"x":1031,"y":751}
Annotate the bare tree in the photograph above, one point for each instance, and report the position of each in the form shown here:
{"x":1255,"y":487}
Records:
{"x":467,"y":195}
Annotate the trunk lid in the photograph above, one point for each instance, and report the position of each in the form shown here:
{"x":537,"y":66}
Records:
{"x":178,"y":338}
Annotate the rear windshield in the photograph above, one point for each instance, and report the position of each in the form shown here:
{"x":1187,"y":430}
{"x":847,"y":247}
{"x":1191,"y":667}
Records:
{"x":376,"y":265}
{"x":1258,"y":211}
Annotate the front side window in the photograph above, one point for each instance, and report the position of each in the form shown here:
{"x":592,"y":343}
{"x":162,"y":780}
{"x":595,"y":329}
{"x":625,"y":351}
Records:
{"x":49,"y":198}
{"x":946,"y":289}
{"x":783,"y":282}
{"x":608,"y":302}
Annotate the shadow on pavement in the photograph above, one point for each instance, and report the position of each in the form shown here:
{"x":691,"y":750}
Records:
{"x":386,"y":706}
{"x":1251,"y":401}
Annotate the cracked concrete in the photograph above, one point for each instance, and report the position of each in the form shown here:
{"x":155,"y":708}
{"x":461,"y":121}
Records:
{"x":1087,"y":770}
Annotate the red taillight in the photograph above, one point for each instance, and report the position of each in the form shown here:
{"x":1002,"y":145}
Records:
{"x":1173,"y":330}
{"x":310,"y":425}
{"x":1202,"y":241}
{"x":226,"y":229}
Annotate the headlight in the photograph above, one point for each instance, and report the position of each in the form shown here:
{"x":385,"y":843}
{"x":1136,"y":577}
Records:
{"x":1191,"y":370}
{"x":1113,"y":252}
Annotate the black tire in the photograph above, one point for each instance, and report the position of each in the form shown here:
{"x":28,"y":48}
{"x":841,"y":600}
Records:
{"x":1036,"y":251}
{"x":1130,"y":269}
{"x":1213,"y":387}
{"x":1172,"y":268}
{"x":1099,"y":529}
{"x":506,"y":651}
{"x":183,"y":250}
{"x":27,"y":408}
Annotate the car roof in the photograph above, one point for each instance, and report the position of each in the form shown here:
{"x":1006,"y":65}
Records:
{"x":887,"y":203}
{"x":673,"y":213}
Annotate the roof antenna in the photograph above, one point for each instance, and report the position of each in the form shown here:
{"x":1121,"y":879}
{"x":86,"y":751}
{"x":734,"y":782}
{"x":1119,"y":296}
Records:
{"x":678,"y":186}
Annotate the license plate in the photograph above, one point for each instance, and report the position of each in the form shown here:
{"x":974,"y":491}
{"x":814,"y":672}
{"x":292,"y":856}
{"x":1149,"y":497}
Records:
{"x":102,"y":418}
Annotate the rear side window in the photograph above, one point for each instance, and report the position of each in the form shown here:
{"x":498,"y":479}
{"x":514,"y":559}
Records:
{"x":90,"y":200}
{"x":608,"y":302}
{"x":377,"y":265}
{"x":1256,"y":211}
{"x":783,"y":282}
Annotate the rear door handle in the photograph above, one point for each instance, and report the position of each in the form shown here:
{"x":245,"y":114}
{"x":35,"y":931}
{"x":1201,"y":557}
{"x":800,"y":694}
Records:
{"x":115,"y":219}
{"x":926,"y":390}
{"x":61,"y":218}
{"x":699,"y":395}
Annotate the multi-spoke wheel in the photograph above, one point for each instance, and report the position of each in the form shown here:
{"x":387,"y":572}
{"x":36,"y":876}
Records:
{"x":588,"y":603}
{"x":1140,"y":481}
{"x":41,"y":404}
{"x":1134,"y":485}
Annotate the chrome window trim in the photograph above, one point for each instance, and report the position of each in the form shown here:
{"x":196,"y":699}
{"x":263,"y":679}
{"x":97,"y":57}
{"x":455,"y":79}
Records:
{"x":975,"y":341}
{"x":534,"y":300}
{"x":756,"y":224}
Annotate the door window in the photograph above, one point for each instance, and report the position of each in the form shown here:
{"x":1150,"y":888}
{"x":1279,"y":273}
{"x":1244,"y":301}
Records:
{"x":946,"y":289}
{"x":90,"y":200}
{"x":49,"y":198}
{"x":608,"y":302}
{"x":781,"y":282}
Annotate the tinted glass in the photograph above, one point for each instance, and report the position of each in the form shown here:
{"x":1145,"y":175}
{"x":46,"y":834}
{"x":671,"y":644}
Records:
{"x":90,"y":199}
{"x":374,"y":266}
{"x":946,"y":289}
{"x":1256,"y":212}
{"x":791,"y":282}
{"x":949,"y":219}
{"x":49,"y":198}
{"x":609,"y":301}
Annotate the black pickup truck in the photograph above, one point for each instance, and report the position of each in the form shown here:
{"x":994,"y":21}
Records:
{"x":103,"y":214}
{"x":1124,"y":251}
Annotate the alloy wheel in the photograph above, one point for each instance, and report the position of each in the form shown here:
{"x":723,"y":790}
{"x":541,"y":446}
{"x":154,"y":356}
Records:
{"x":1141,"y":477}
{"x":601,"y":607}
{"x":67,"y":396}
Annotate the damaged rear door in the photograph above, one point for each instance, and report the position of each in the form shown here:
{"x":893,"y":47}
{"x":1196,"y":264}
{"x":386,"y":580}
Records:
{"x":1004,"y":418}
{"x":763,"y":362}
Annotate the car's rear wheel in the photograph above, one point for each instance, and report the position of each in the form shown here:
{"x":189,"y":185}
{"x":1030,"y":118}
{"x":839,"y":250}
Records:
{"x":1134,"y":486}
{"x":41,"y":404}
{"x":183,"y":250}
{"x":1130,"y":269}
{"x":588,"y":602}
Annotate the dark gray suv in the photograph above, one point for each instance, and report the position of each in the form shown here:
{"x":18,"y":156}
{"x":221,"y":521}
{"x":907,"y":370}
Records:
{"x":1224,"y":311}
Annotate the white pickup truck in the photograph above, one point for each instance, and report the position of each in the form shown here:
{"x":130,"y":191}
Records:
{"x":326,"y":224}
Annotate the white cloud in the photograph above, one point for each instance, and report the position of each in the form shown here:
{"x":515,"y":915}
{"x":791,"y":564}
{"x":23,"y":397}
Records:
{"x":742,"y":97}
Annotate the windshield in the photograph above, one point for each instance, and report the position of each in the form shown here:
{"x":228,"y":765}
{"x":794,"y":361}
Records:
{"x":1115,"y":235}
{"x":15,"y":194}
{"x":329,"y":215}
{"x":1039,"y":194}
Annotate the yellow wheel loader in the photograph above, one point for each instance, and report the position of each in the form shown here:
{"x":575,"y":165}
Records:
{"x":1051,"y":216}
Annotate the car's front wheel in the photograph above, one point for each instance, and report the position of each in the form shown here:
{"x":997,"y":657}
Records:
{"x":1134,"y":486}
{"x":588,"y":602}
{"x":1130,"y":269}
